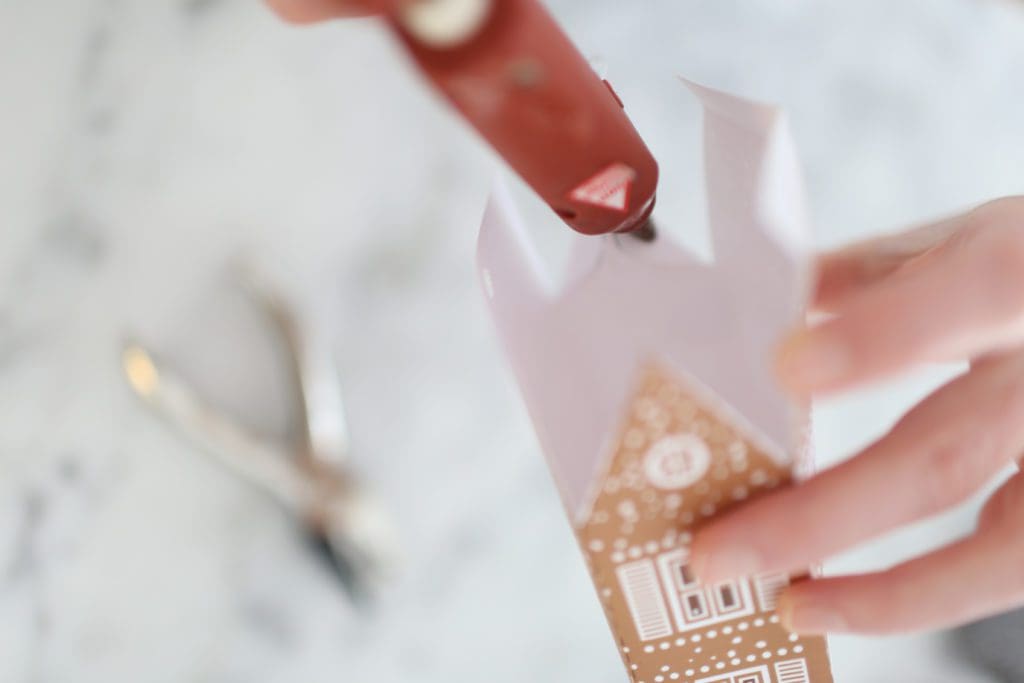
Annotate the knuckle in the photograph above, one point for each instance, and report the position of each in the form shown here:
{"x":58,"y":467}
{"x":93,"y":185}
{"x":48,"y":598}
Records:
{"x":951,"y":475}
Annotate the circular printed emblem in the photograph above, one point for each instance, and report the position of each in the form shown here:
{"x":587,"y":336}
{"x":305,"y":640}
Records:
{"x":676,"y":461}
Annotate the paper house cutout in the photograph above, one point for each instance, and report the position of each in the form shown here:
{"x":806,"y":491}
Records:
{"x":678,"y":461}
{"x":632,"y":314}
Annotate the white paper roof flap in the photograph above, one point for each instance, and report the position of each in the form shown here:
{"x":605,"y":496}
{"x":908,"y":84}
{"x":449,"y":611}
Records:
{"x":760,"y":235}
{"x":524,"y":282}
{"x":577,"y":352}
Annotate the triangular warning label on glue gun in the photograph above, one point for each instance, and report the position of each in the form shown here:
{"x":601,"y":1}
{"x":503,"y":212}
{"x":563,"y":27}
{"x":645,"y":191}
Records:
{"x":608,"y":189}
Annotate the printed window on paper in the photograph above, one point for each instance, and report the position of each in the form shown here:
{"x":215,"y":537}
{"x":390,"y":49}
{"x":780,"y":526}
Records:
{"x":694,"y":605}
{"x":751,"y":678}
{"x":755,"y":675}
{"x":685,"y":577}
{"x":727,"y":597}
{"x":640,"y":587}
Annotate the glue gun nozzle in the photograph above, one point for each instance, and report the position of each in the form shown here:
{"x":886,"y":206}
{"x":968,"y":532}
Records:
{"x":647,"y":232}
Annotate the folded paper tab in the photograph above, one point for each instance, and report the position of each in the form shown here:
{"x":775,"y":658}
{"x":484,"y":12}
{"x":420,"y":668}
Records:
{"x":658,"y":412}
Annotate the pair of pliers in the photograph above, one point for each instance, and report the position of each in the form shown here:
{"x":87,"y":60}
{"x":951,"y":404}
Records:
{"x":312,"y":478}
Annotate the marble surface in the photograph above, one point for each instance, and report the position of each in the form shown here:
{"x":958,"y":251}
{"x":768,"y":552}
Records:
{"x":144,"y":145}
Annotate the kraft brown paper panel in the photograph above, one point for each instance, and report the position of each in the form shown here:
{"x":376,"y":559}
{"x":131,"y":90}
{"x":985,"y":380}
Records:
{"x":676,"y":463}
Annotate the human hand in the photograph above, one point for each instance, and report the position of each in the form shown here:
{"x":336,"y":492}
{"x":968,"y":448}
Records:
{"x":949,"y":291}
{"x":310,"y":11}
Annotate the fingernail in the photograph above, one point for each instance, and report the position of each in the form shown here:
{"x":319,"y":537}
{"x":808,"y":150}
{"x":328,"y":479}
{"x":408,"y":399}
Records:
{"x":728,"y":563}
{"x":812,"y":359}
{"x":809,"y":618}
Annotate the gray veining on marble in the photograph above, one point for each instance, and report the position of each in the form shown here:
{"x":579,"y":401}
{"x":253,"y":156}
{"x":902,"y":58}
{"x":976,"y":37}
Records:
{"x":144,"y":145}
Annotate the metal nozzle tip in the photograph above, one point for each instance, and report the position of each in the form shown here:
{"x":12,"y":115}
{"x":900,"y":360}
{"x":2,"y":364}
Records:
{"x":646,"y":233}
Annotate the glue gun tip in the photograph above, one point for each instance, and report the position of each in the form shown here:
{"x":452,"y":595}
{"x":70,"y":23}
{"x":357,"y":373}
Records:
{"x":647,"y":232}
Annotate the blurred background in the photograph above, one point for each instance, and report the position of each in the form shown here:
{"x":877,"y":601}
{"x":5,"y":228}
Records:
{"x":144,"y":146}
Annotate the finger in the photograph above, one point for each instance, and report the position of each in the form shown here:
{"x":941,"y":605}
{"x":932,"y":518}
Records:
{"x":309,"y":11}
{"x":848,"y":270}
{"x":959,"y":300}
{"x":940,"y":453}
{"x":974,"y":578}
{"x":999,"y":508}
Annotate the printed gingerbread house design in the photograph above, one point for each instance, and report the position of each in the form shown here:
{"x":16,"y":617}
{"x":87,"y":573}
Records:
{"x":679,"y":460}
